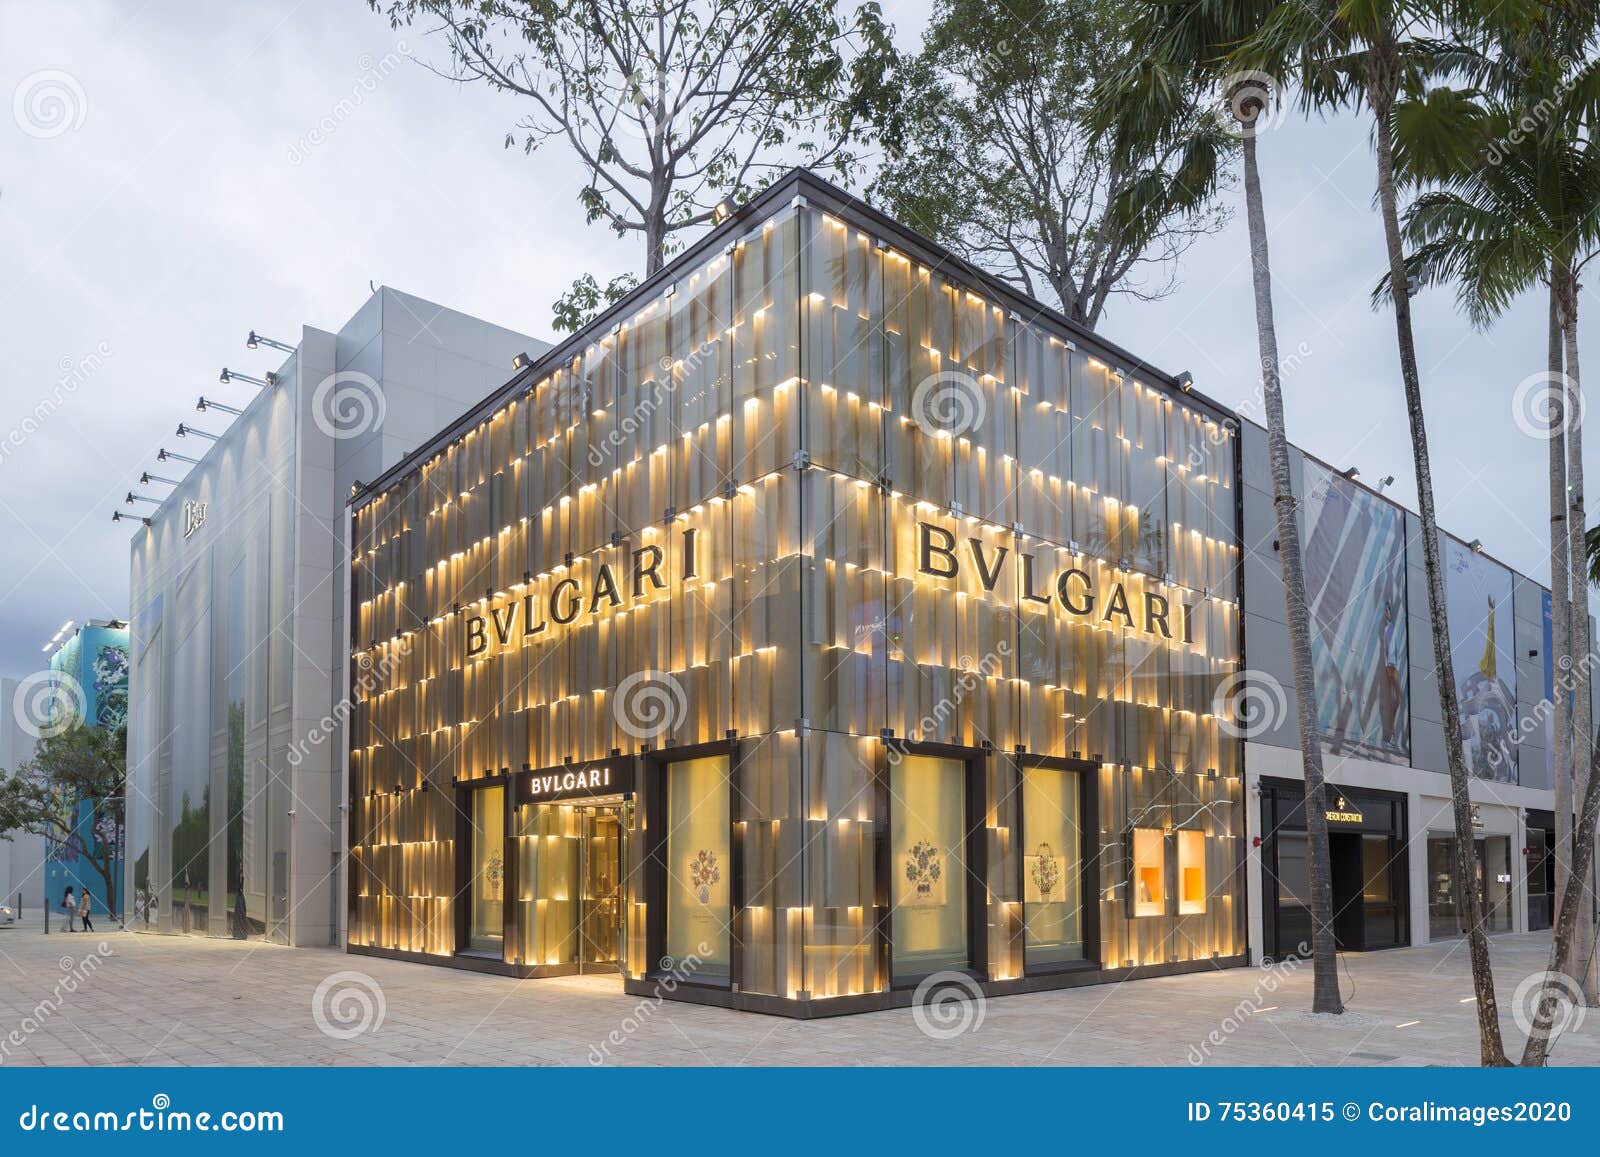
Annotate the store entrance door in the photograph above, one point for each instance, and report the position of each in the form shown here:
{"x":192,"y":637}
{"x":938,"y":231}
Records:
{"x":601,"y":934}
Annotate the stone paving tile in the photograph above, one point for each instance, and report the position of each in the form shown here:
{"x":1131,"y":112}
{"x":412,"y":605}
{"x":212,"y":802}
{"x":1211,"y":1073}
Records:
{"x":186,"y":1001}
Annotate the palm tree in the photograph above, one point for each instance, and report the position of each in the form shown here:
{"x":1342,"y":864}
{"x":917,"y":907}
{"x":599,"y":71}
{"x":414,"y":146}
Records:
{"x":1518,"y":208}
{"x":1141,"y":109}
{"x":1367,"y":53}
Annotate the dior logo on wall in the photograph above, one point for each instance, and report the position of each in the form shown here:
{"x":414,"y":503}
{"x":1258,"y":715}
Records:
{"x":194,"y":514}
{"x":939,"y":556}
{"x":530,"y":617}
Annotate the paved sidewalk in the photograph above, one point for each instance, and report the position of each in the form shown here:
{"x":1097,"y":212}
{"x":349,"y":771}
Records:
{"x":149,"y":1000}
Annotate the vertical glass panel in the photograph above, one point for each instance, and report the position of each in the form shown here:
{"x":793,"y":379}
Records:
{"x":927,"y":865}
{"x":1149,"y":881}
{"x":547,"y":895}
{"x":237,"y":657}
{"x":191,"y":777}
{"x":1052,"y":866}
{"x":487,"y":928}
{"x":699,"y":865}
{"x":1375,"y":858}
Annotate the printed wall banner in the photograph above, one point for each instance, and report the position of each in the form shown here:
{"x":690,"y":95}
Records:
{"x":1355,"y":552}
{"x":1478,"y":607}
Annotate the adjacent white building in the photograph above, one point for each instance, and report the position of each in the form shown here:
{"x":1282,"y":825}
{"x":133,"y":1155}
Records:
{"x":238,"y":626}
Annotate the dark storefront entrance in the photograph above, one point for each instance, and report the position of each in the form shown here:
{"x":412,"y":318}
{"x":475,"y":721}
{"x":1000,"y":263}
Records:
{"x":1539,"y":851}
{"x":1367,"y":854}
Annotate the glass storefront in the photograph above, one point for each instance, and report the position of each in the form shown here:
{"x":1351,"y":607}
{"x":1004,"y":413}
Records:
{"x":572,"y":864}
{"x":1447,"y":915}
{"x":1540,"y":853}
{"x":746,"y":491}
{"x":1367,"y":868}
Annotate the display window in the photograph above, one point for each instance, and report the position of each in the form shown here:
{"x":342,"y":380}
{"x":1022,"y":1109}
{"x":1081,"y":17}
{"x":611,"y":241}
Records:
{"x":699,"y":868}
{"x":1191,"y":872}
{"x":928,"y":865}
{"x":1053,"y":922}
{"x":1149,"y":872}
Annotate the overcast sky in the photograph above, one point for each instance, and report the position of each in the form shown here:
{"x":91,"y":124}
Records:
{"x":184,"y":202}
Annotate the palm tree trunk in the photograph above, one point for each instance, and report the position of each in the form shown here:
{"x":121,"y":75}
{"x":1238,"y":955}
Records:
{"x":1538,"y":1046}
{"x":1560,"y":618}
{"x":1324,"y":961}
{"x":1380,"y":79}
{"x":1582,"y":712}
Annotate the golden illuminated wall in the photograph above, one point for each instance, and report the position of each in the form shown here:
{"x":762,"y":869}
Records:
{"x":779,"y":404}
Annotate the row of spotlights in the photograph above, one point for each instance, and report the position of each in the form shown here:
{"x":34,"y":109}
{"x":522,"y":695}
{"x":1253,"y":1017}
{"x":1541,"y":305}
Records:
{"x":204,"y":406}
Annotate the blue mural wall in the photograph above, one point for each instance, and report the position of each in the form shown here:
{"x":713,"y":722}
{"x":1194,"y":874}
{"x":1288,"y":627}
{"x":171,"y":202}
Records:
{"x":93,"y":667}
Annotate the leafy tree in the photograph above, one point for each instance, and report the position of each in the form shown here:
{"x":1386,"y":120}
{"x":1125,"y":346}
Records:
{"x":997,"y":156}
{"x":672,"y":106}
{"x":46,"y":796}
{"x":1144,"y":106}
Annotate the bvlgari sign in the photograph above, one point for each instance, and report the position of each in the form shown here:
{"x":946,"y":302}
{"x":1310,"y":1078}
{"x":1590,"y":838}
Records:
{"x":575,"y":781}
{"x":532,"y":618}
{"x":940,"y":556}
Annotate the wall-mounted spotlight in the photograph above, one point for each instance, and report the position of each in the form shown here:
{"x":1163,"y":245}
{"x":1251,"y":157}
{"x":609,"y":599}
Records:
{"x":118,"y":516}
{"x":255,"y":341}
{"x":521,"y":362}
{"x":228,"y":375}
{"x":185,"y":431}
{"x":132,"y":498}
{"x":165,"y":455}
{"x":1351,"y":474}
{"x":721,"y":212}
{"x":1185,"y":381}
{"x":1385,"y":482}
{"x":146,"y":478}
{"x":205,"y":404}
{"x":1476,"y":546}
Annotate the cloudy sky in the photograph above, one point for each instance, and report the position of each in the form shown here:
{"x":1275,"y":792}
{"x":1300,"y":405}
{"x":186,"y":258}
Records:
{"x":184,"y":201}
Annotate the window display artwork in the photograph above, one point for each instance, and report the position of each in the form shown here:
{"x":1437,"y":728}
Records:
{"x":487,"y":930}
{"x":1046,"y":874}
{"x":924,"y":871}
{"x":704,"y":875}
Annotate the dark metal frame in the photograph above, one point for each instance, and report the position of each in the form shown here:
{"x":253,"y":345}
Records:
{"x":1088,"y":776}
{"x":652,"y":800}
{"x":975,"y":857}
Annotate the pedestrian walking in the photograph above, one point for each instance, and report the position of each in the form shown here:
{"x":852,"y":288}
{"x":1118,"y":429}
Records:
{"x":69,"y":905}
{"x":83,"y":912}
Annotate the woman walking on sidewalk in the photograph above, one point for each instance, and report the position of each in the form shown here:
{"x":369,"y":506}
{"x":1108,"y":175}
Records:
{"x":69,"y":905}
{"x":83,"y":912}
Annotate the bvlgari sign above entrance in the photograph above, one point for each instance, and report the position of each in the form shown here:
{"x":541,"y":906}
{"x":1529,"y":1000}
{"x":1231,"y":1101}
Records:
{"x":576,"y":781}
{"x":939,"y":556}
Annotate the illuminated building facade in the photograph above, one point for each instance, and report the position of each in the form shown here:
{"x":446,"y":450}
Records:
{"x":823,"y":618}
